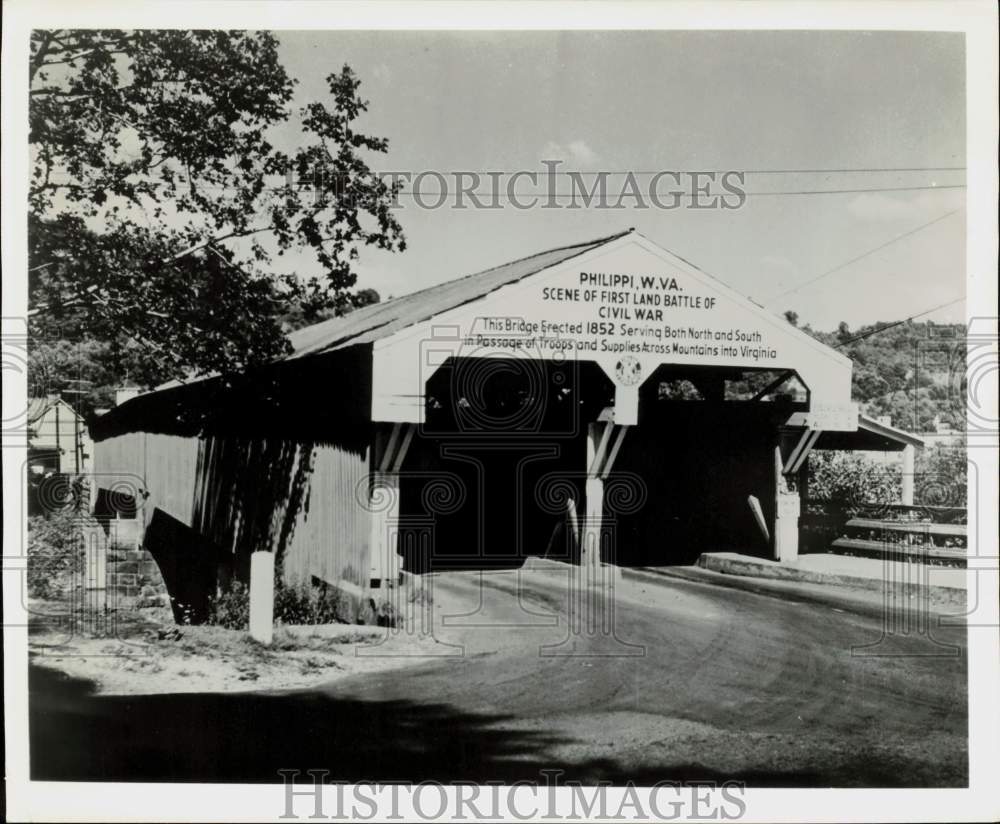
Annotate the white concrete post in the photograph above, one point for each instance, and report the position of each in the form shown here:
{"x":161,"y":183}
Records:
{"x":786,"y":529}
{"x":786,"y":515}
{"x":590,"y":545}
{"x":909,"y":462}
{"x":262,"y":596}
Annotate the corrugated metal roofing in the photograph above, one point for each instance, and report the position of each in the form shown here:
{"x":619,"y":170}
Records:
{"x":370,"y":323}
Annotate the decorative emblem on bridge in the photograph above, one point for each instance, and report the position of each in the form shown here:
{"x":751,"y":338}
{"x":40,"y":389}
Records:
{"x":628,"y":371}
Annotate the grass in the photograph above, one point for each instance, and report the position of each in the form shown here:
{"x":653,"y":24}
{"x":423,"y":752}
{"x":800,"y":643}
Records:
{"x":128,"y":647}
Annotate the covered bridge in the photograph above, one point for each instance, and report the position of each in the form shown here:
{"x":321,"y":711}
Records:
{"x":606,"y":402}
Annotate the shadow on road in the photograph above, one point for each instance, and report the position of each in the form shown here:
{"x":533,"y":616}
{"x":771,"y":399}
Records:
{"x":247,"y":737}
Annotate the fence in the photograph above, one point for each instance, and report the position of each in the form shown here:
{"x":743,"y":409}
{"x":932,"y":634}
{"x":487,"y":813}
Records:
{"x":926,"y":534}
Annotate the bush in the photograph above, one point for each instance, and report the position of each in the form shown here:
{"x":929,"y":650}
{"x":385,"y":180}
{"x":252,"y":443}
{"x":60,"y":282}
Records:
{"x":941,"y":476}
{"x":231,"y":607}
{"x":852,"y":480}
{"x":55,"y":553}
{"x":299,"y":603}
{"x":303,"y":603}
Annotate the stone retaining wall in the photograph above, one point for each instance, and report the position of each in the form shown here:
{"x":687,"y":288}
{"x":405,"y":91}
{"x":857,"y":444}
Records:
{"x":131,"y":571}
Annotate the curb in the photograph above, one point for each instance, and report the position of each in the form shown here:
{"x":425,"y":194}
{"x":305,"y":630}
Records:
{"x":741,"y":566}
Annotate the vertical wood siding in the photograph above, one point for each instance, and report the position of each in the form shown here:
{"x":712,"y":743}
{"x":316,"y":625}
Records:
{"x":304,"y":501}
{"x":119,"y":464}
{"x":170,"y":469}
{"x":331,"y":541}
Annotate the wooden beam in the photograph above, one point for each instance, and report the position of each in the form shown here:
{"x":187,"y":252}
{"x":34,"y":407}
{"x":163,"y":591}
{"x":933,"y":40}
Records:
{"x":803,"y":439}
{"x":619,"y":437}
{"x":599,"y":451}
{"x":810,"y":442}
{"x":758,"y":516}
{"x":773,"y":384}
{"x":404,"y":446}
{"x":386,"y":458}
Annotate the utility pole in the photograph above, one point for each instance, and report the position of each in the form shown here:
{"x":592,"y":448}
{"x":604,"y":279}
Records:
{"x":77,"y":449}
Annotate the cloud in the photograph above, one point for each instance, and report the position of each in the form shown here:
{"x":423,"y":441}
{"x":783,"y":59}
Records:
{"x":881,"y":207}
{"x":576,"y":153}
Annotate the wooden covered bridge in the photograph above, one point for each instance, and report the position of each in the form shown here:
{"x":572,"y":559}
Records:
{"x":606,"y":402}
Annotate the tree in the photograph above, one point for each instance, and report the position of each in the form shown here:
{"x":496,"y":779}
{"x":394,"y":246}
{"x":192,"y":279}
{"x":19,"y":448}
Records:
{"x":154,"y":188}
{"x":305,"y":315}
{"x":942,"y":476}
{"x":792,"y":317}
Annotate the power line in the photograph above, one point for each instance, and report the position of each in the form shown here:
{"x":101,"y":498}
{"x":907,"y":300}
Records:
{"x":623,"y":196}
{"x":645,"y":173}
{"x":872,"y":170}
{"x":858,"y":191}
{"x":875,"y":331}
{"x":855,"y":171}
{"x":878,"y":248}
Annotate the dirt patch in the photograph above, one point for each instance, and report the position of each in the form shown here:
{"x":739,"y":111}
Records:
{"x":134,"y":652}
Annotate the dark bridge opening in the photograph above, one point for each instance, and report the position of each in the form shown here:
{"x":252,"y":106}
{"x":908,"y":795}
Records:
{"x":503,"y":447}
{"x":704,"y":442}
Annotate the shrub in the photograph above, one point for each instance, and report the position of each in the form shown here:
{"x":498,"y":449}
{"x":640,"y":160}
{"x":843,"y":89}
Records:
{"x":852,"y":480}
{"x":230,"y":608}
{"x":303,"y":603}
{"x":299,"y":603}
{"x":55,"y":553}
{"x":941,"y":476}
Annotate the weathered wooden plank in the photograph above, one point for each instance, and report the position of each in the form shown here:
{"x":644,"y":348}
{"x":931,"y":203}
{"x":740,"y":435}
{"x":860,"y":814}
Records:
{"x":883,"y":548}
{"x":331,"y":534}
{"x":959,"y":530}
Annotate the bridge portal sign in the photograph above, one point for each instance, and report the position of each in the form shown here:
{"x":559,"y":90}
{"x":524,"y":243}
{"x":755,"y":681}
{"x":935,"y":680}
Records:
{"x":629,"y":306}
{"x":645,"y":315}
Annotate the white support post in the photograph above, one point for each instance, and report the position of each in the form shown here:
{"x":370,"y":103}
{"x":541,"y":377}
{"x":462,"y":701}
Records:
{"x":598,"y":435}
{"x":909,"y":467}
{"x":626,"y":405}
{"x":262,"y":596}
{"x":590,"y":544}
{"x":604,"y":441}
{"x":786,"y":515}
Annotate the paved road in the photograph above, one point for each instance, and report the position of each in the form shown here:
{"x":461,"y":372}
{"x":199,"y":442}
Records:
{"x":694,"y":681}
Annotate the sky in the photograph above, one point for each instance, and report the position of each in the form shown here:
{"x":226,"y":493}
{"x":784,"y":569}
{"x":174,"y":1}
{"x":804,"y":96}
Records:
{"x":684,"y":101}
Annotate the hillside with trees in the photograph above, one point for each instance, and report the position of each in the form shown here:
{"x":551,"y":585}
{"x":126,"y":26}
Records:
{"x":912,"y":371}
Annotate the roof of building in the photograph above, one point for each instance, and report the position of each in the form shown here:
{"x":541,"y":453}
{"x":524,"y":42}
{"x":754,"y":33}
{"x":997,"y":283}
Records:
{"x":379,"y":320}
{"x":38,"y":407}
{"x":872,"y":436}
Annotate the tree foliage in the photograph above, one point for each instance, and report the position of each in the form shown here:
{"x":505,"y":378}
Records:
{"x":852,"y":479}
{"x":157,"y":200}
{"x":913,"y":372}
{"x":941,"y":476}
{"x":55,"y":553}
